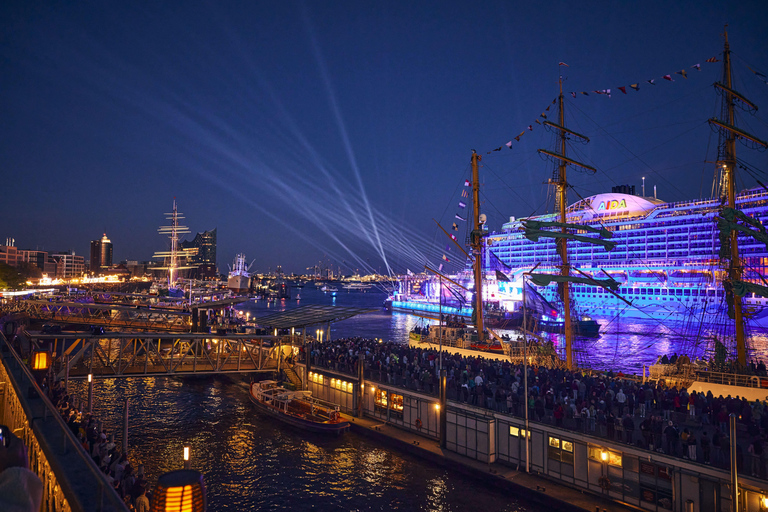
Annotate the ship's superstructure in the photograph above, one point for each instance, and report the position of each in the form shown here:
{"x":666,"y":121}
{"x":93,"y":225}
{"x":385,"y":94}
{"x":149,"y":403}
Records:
{"x":666,"y":256}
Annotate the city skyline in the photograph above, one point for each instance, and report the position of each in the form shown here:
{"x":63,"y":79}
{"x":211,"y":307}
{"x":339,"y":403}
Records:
{"x":303,"y":132}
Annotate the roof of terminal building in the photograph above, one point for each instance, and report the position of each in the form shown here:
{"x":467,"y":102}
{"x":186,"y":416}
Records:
{"x":310,"y":315}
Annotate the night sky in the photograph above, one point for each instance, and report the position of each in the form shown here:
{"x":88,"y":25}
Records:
{"x":339,"y":130}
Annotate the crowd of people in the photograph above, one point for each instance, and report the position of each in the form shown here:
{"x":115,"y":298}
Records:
{"x":649,"y":415}
{"x":128,"y":480}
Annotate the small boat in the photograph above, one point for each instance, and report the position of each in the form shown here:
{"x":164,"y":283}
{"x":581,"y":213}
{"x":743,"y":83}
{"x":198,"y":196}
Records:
{"x":297,"y":408}
{"x":327,"y":288}
{"x":360,"y":287}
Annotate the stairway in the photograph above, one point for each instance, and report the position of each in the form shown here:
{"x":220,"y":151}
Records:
{"x":292,"y":376}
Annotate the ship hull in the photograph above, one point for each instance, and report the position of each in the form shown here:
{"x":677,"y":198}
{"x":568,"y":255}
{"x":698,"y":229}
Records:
{"x":239,"y":284}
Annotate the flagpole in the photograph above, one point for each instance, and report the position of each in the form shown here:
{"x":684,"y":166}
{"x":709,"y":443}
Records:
{"x":440,"y":298}
{"x":525,"y":379}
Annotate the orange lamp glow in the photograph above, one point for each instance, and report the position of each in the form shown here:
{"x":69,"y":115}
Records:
{"x":180,"y":491}
{"x":41,"y":360}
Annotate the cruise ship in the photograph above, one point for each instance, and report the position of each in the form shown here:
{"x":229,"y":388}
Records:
{"x":666,"y":260}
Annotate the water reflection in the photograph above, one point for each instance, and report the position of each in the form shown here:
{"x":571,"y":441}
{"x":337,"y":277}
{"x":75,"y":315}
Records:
{"x":252,"y":462}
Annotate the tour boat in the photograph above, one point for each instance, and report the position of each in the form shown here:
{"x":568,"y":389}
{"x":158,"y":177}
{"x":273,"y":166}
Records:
{"x":297,"y":408}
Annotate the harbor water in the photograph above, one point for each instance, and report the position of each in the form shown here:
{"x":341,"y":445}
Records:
{"x":252,"y":462}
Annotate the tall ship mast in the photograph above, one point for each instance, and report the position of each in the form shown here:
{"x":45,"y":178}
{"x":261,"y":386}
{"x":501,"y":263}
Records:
{"x":176,"y":255}
{"x":477,"y":249}
{"x":727,"y":169}
{"x":560,"y":182}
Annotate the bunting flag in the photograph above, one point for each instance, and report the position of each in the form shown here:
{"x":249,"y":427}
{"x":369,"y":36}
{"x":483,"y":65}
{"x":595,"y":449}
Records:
{"x":446,"y":258}
{"x":697,"y":67}
{"x":544,"y":115}
{"x":668,"y":77}
{"x":585,"y":93}
{"x":530,"y":127}
{"x":460,"y":217}
{"x":538,"y":122}
{"x":440,"y":268}
{"x":682,"y":72}
{"x":757,"y":72}
{"x":623,"y":89}
{"x":573,"y":94}
{"x":462,"y":204}
{"x":447,"y":247}
{"x":712,"y":59}
{"x":497,"y":149}
{"x":467,"y":183}
{"x":547,"y":109}
{"x":509,"y":144}
{"x":455,"y":227}
{"x":563,"y":64}
{"x":464,"y":194}
{"x":453,"y":237}
{"x":763,"y":78}
{"x":652,"y":82}
{"x":635,"y":86}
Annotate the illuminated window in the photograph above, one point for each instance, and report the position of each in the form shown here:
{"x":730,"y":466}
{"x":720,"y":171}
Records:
{"x":380,"y":398}
{"x":397,"y":403}
{"x":614,"y":459}
{"x":514,"y":431}
{"x":560,"y":451}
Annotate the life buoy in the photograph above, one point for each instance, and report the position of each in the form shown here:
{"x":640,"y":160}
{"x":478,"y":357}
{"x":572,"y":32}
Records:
{"x":333,"y":416}
{"x":418,"y":423}
{"x":605,"y":483}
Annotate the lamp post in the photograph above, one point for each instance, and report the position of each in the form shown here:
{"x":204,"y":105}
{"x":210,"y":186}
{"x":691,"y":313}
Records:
{"x":734,"y":474}
{"x":90,"y":393}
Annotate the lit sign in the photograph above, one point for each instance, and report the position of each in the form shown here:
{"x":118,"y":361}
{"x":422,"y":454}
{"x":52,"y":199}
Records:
{"x":612,"y":205}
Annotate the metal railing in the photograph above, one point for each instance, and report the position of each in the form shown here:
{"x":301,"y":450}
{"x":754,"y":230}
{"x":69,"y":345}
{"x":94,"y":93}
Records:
{"x":71,"y":479}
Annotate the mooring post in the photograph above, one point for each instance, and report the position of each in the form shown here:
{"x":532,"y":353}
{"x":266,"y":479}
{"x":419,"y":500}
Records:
{"x":361,"y":383}
{"x":66,"y":376}
{"x":443,"y":416}
{"x":125,"y":426}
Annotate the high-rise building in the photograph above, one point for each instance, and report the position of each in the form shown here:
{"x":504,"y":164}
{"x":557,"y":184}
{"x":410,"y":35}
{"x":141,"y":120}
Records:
{"x":68,"y":264}
{"x":101,"y":254}
{"x":205,"y":258}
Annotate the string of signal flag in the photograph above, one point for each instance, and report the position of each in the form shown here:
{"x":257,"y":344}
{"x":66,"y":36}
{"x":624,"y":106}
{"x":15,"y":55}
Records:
{"x":542,"y":119}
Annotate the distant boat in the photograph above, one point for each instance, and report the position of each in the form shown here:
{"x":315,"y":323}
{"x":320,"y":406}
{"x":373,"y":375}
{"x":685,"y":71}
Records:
{"x":239,"y":279}
{"x":297,"y":408}
{"x":361,"y":287}
{"x":328,"y":288}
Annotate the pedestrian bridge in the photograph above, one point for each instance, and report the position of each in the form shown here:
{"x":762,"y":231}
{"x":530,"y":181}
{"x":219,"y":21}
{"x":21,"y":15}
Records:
{"x":114,"y":355}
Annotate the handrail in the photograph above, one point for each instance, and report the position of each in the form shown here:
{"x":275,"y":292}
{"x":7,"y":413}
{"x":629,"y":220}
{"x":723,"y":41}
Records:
{"x":104,"y":497}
